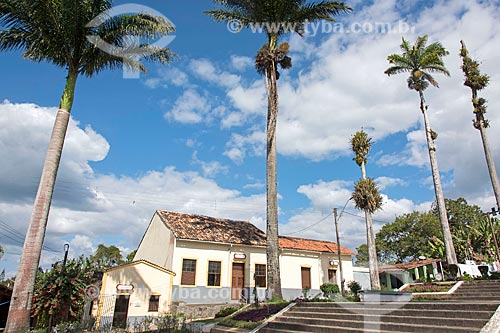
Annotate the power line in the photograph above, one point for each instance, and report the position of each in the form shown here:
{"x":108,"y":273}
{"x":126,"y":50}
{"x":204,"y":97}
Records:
{"x":18,"y":237}
{"x":310,"y":226}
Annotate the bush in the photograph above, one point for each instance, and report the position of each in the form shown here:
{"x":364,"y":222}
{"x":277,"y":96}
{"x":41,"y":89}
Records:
{"x":329,"y":289}
{"x":495,"y":276}
{"x":355,"y":287}
{"x":226,"y":312}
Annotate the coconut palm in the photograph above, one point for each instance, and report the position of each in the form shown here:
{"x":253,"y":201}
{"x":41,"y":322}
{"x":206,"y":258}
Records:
{"x":476,"y":82}
{"x":57,"y":31}
{"x":276,"y":18}
{"x":367,"y":198}
{"x":420,"y":61}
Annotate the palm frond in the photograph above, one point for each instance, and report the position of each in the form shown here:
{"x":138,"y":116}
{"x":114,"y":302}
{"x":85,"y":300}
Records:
{"x":366,"y":196}
{"x":360,"y":145}
{"x":420,"y":60}
{"x":324,"y":10}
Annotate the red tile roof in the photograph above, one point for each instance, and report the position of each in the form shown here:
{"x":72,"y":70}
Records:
{"x":312,"y":245}
{"x":407,"y":265}
{"x":211,"y":229}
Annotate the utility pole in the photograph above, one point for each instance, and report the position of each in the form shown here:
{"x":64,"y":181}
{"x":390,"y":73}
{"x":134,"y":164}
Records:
{"x":338,"y":251}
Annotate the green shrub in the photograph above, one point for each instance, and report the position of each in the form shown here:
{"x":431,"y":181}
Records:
{"x":226,"y":312}
{"x":466,"y":277}
{"x":495,"y":276}
{"x":329,"y":289}
{"x":355,"y":287}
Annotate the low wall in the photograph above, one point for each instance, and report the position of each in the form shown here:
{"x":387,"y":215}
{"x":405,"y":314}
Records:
{"x":198,"y":311}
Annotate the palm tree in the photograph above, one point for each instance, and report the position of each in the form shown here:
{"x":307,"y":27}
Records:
{"x":476,"y":82}
{"x":276,"y":17}
{"x":368,"y":199}
{"x":420,"y":61}
{"x":56,"y":31}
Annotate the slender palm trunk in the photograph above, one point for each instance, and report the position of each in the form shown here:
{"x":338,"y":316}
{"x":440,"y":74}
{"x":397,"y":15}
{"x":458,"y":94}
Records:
{"x":370,"y":241}
{"x":272,"y":234}
{"x":490,"y":162}
{"x":22,"y":295}
{"x":487,"y":153}
{"x":451,"y":256}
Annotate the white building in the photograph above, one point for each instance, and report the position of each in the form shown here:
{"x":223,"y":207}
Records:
{"x":217,"y":261}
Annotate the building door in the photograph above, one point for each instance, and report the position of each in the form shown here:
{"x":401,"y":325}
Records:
{"x":238,"y":280}
{"x":121,"y":311}
{"x":306,"y":277}
{"x":332,"y":276}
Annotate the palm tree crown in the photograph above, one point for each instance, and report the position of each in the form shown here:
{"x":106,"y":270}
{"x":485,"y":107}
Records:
{"x":57,"y":32}
{"x":361,"y":145}
{"x":420,"y":61}
{"x":282,"y":16}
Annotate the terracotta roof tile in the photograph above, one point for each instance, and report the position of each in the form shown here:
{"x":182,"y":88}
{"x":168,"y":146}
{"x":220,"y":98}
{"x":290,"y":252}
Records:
{"x":211,"y":229}
{"x":312,"y":245}
{"x":408,"y":265}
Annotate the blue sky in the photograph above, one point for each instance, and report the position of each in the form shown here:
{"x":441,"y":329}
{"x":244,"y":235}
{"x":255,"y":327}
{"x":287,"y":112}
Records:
{"x":190,"y":136}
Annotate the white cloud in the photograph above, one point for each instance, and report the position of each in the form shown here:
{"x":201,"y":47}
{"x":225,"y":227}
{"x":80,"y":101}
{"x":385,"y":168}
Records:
{"x":211,"y":168}
{"x":385,"y":182}
{"x":190,"y":107}
{"x":240,"y":146}
{"x":241,"y":63}
{"x":91,"y":208}
{"x":206,"y":70}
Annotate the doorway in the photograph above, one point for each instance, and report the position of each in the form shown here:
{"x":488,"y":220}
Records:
{"x":238,"y":280}
{"x":121,"y":311}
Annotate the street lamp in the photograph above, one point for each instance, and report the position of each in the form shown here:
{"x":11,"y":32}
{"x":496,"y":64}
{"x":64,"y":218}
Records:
{"x":489,"y":214}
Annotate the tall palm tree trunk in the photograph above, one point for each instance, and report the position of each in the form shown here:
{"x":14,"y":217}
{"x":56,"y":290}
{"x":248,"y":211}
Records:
{"x":370,"y":241}
{"x":487,"y":152}
{"x":272,"y":234}
{"x":22,"y":295}
{"x":490,"y":162}
{"x":451,"y":256}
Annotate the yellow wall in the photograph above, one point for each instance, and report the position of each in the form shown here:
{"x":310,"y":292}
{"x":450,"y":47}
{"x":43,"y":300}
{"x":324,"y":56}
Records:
{"x":146,"y":280}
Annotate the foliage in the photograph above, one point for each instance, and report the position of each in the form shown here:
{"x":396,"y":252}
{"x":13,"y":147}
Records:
{"x":362,"y":255}
{"x":466,"y":277}
{"x":407,"y":237}
{"x":366,"y":196}
{"x":131,"y":255}
{"x":69,"y":327}
{"x":473,"y":77}
{"x":260,"y":313}
{"x":44,"y":32}
{"x":360,"y":145}
{"x":354,"y":287}
{"x":329,"y":289}
{"x":471,"y":232}
{"x":420,"y":61}
{"x":226,"y":312}
{"x":428,"y":288}
{"x":60,"y":291}
{"x":106,"y":257}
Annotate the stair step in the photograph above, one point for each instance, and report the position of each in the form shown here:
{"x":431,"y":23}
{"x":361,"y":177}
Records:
{"x":364,"y":326}
{"x":391,"y":306}
{"x":401,"y":312}
{"x":386,"y":320}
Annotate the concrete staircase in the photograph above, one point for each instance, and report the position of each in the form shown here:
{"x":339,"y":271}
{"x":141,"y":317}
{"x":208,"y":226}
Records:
{"x":468,"y":310}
